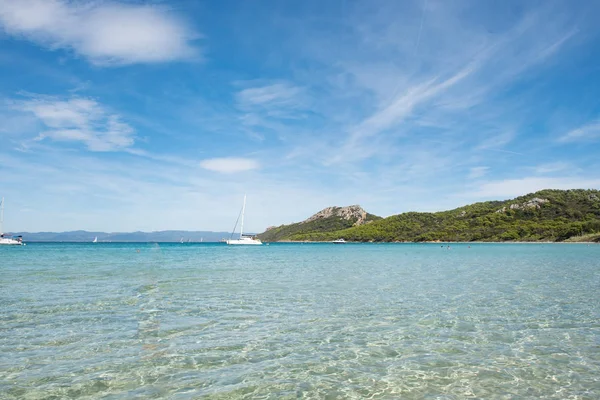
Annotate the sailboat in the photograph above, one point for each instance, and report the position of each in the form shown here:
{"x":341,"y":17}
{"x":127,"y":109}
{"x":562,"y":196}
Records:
{"x":16,"y":240}
{"x":243,"y":239}
{"x":95,"y":240}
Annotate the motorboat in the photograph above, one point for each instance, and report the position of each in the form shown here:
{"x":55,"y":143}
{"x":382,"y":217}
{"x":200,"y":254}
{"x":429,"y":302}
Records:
{"x":13,"y":240}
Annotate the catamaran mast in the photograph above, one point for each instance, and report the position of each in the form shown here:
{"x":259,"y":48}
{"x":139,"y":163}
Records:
{"x":2,"y":216}
{"x":243,"y":210}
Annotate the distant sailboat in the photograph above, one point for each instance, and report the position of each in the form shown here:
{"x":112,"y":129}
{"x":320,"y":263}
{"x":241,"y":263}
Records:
{"x":95,"y":240}
{"x":243,"y":239}
{"x":16,"y":240}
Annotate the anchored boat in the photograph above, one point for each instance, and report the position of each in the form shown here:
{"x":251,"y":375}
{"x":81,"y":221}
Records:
{"x":243,"y":239}
{"x":4,"y":240}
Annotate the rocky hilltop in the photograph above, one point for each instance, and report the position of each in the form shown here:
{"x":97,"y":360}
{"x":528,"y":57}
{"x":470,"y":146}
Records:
{"x":330,"y":219}
{"x":547,"y":215}
{"x":350,"y":213}
{"x":535,"y":203}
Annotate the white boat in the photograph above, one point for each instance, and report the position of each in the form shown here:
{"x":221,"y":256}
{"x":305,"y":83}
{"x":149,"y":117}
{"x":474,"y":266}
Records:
{"x":339,"y":241}
{"x":243,"y":239}
{"x":13,"y":240}
{"x":95,"y":240}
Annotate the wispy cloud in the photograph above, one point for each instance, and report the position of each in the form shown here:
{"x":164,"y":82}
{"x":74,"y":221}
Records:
{"x":455,"y":84}
{"x":553,"y":167}
{"x":164,"y":158}
{"x":230,"y":165}
{"x":584,"y":133}
{"x":394,"y":113}
{"x":270,"y":107}
{"x":79,"y":119}
{"x":105,"y":33}
{"x":478,"y":172}
{"x":273,"y":95}
{"x":496,"y":141}
{"x":404,"y":104}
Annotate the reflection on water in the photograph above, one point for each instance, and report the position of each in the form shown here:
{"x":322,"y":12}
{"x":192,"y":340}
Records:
{"x":149,"y":313}
{"x":293,"y":321}
{"x":149,"y":321}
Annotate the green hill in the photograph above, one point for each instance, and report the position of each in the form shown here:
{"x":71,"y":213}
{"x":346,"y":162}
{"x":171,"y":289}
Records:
{"x":547,"y":215}
{"x":331,"y":219}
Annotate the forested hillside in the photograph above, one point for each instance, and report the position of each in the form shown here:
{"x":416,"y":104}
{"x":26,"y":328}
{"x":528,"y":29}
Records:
{"x":547,"y":215}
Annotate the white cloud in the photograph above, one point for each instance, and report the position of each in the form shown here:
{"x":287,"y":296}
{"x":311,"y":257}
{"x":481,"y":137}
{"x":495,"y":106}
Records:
{"x":478,"y":172}
{"x":229,"y":164}
{"x":583,"y":133}
{"x":79,"y":120}
{"x":105,"y":33}
{"x":517,"y":187}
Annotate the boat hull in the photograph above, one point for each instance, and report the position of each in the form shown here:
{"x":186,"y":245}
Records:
{"x":252,"y":242}
{"x":10,"y":242}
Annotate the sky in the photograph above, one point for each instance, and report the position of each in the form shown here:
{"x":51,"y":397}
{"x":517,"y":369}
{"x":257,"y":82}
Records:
{"x":154,"y":115}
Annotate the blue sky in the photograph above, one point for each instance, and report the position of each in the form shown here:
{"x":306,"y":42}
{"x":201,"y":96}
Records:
{"x":131,"y":115}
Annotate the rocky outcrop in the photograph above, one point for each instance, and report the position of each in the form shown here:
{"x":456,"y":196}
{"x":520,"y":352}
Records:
{"x":349,"y":213}
{"x":535,"y":203}
{"x":330,"y":219}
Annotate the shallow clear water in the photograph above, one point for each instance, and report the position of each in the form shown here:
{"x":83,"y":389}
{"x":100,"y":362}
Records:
{"x":181,"y":321}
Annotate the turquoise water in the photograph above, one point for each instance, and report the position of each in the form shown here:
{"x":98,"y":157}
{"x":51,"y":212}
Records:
{"x":181,"y":321}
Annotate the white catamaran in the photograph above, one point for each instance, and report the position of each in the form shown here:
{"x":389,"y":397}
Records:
{"x":15,"y":240}
{"x":243,"y":239}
